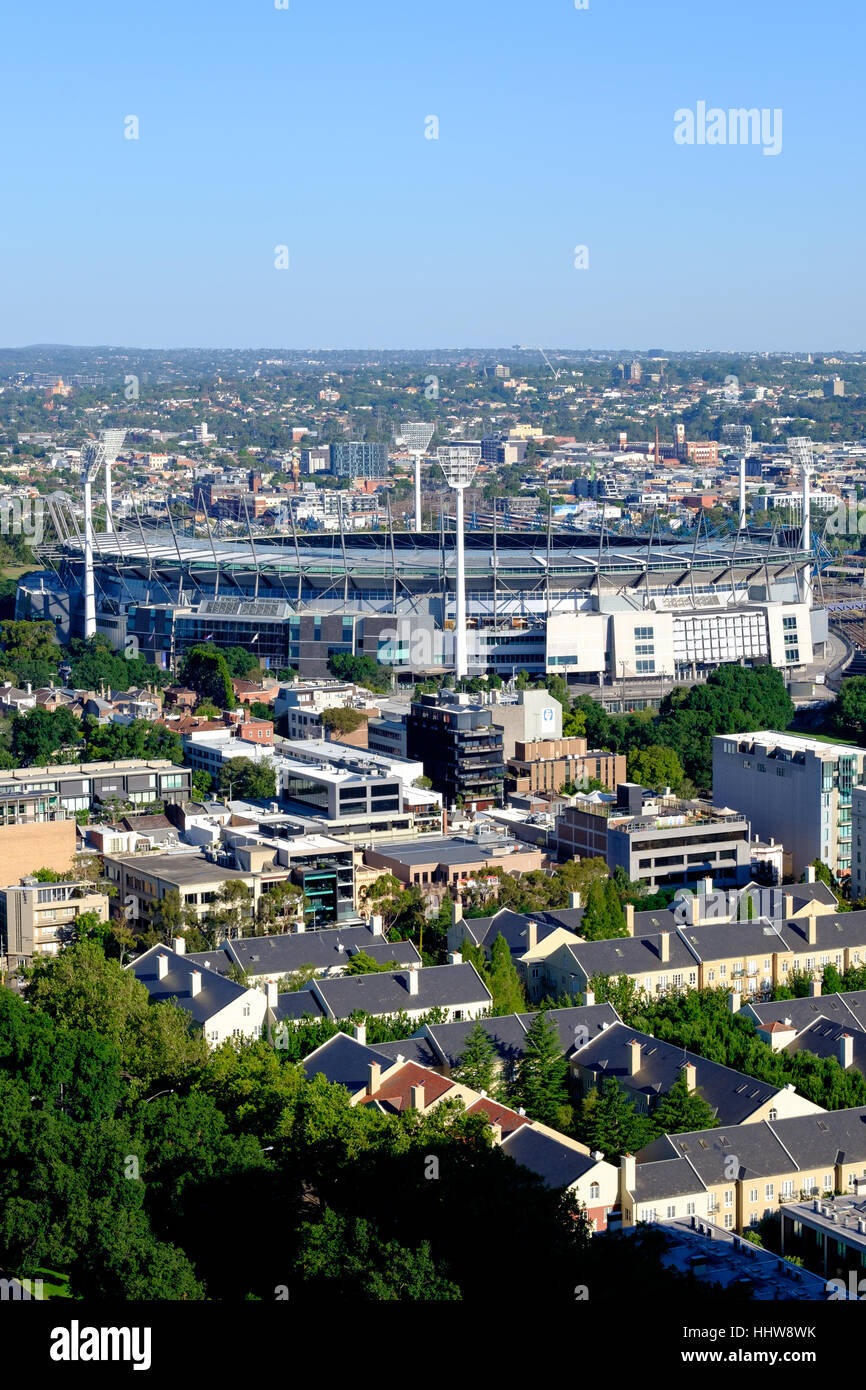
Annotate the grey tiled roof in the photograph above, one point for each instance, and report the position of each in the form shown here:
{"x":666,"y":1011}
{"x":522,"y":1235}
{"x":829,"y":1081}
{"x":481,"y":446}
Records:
{"x":848,"y":1008}
{"x":345,"y":1061}
{"x":291,"y":951}
{"x":215,"y":993}
{"x":811,"y":1144}
{"x":387,"y":992}
{"x":557,"y":1164}
{"x":731,"y":1095}
{"x":673,"y":1177}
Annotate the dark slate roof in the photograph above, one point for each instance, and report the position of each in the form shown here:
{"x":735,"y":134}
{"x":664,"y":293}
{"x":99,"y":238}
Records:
{"x":849,"y":1008}
{"x":418,"y":1050}
{"x":734,"y":940}
{"x":665,"y":1178}
{"x":508,"y":1032}
{"x":810,"y":1144}
{"x":833,"y":932}
{"x":514,"y":926}
{"x":215,"y":994}
{"x":218,"y":960}
{"x":822,"y":1039}
{"x":387,"y":991}
{"x":629,"y":955}
{"x":285,"y":954}
{"x":345,"y":1061}
{"x":816,"y":892}
{"x":731,"y":1095}
{"x":656,"y":920}
{"x":556,"y":1163}
{"x":297,"y":1004}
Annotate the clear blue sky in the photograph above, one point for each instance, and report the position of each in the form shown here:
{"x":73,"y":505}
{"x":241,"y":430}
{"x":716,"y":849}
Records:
{"x":305,"y":127}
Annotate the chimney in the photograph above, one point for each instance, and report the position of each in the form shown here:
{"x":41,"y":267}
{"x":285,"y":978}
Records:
{"x":161,"y":967}
{"x":374,"y":1074}
{"x":691,"y":1072}
{"x":788,"y":905}
{"x":664,"y":947}
{"x":628,"y":912}
{"x":735,"y":999}
{"x":846,"y":1051}
{"x":588,"y":998}
{"x":178,"y":945}
{"x":810,"y":873}
{"x":455,"y":958}
{"x":495,"y":1132}
{"x":634,"y":1051}
{"x":456,"y":911}
{"x":531,"y":935}
{"x":811,"y":929}
{"x":597,"y":1156}
{"x":416,"y":1098}
{"x":574,"y":901}
{"x":272,"y":992}
{"x":815,"y":988}
{"x":300,"y":925}
{"x":360,"y":1031}
{"x":705,"y":887}
{"x":29,"y":688}
{"x":195,"y":983}
{"x":627,"y":1180}
{"x":377,"y":924}
{"x":411,"y":979}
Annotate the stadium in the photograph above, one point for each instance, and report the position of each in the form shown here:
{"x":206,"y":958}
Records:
{"x":593,"y":609}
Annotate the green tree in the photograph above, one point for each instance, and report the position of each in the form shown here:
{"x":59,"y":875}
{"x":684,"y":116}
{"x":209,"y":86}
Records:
{"x":655,"y":767}
{"x":343,"y":720}
{"x":363,"y":964}
{"x":611,"y":1124}
{"x":348,"y":1258}
{"x":848,"y":716}
{"x":476,"y":1067}
{"x":202,"y":784}
{"x":503,"y":981}
{"x":246,"y":780}
{"x":603,"y":916}
{"x":682,"y":1110}
{"x":29,"y":651}
{"x":41,"y":737}
{"x":542,"y":1075}
{"x":138,"y":739}
{"x":361,"y":670}
{"x":205,"y":670}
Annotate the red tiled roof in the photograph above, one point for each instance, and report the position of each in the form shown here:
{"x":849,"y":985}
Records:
{"x":508,"y":1120}
{"x":396,"y":1089}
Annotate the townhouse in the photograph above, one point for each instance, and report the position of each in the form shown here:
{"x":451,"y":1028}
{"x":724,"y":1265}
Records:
{"x":328,"y":952}
{"x":394,"y":1085}
{"x":748,"y":1171}
{"x":648,"y":1068}
{"x":457,"y":989}
{"x":223,"y":1010}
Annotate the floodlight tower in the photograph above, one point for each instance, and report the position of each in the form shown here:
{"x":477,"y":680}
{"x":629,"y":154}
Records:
{"x":112,"y":439}
{"x":800,"y":449}
{"x":416,"y":436}
{"x":92,"y":456}
{"x":458,"y":463}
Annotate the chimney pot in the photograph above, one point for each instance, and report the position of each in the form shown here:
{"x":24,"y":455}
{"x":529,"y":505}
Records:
{"x":195,"y":983}
{"x":361,"y":1034}
{"x":665,"y":947}
{"x":417,"y":1098}
{"x":634,"y":1056}
{"x":374,"y":1074}
{"x":531,"y":935}
{"x":161,"y":966}
{"x":589,"y":998}
{"x":178,"y":945}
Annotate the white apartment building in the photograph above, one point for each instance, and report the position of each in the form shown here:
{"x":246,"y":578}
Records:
{"x":798,"y":790}
{"x":858,"y":842}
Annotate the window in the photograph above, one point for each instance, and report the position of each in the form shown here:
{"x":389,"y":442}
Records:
{"x":594,"y":1191}
{"x":729,"y":1197}
{"x":671,"y":1212}
{"x":645,"y":668}
{"x":753,"y":1194}
{"x":729,"y":1220}
{"x":690,"y":1208}
{"x":644,"y":634}
{"x":774,"y":1114}
{"x":769,"y":1190}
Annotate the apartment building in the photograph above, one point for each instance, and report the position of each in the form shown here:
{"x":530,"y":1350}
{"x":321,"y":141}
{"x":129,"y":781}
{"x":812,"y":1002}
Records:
{"x":858,"y":843}
{"x":36,"y":919}
{"x":662,"y":841}
{"x":80,"y":786}
{"x":799,"y":790}
{"x":460,"y":746}
{"x":549,"y":764}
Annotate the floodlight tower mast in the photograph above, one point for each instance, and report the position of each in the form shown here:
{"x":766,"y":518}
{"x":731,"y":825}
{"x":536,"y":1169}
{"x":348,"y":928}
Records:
{"x":416,"y":436}
{"x":92,"y":458}
{"x":458,"y":463}
{"x":113,"y":440}
{"x":800,"y":449}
